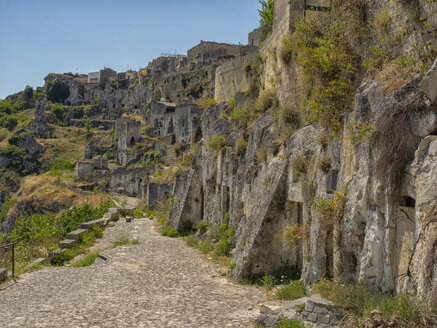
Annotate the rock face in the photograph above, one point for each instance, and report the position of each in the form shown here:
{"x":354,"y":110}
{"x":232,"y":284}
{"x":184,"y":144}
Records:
{"x":429,"y":83}
{"x":387,"y":229}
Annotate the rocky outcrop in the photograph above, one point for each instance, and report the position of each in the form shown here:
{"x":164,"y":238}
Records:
{"x":386,"y":178}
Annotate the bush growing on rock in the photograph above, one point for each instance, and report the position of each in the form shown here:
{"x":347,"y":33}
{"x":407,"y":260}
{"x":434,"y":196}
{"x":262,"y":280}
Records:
{"x":266,"y":99}
{"x":57,"y":91}
{"x":292,"y":291}
{"x":286,"y":323}
{"x":360,"y":301}
{"x":218,"y":143}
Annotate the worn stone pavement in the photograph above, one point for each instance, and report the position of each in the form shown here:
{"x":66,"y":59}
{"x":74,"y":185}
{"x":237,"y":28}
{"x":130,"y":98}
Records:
{"x":159,"y":282}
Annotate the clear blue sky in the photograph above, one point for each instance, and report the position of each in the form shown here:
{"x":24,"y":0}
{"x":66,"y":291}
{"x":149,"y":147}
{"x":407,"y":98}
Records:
{"x":38,"y":37}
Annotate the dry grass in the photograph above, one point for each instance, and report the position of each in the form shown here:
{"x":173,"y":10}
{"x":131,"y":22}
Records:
{"x":69,"y":144}
{"x":43,"y":192}
{"x":394,"y":77}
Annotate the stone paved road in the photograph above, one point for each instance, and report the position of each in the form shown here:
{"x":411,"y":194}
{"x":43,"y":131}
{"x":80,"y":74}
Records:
{"x":158,"y":283}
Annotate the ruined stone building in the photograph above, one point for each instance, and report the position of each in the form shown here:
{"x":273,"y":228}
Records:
{"x":101,"y":76}
{"x":207,"y":51}
{"x":179,"y":121}
{"x":253,"y":38}
{"x":127,"y":134}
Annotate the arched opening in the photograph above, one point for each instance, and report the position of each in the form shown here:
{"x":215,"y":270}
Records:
{"x":170,"y":127}
{"x":132,"y":141}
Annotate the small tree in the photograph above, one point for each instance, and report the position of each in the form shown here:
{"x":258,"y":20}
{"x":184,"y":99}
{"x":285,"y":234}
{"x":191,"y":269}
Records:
{"x":28,"y":92}
{"x":58,"y":111}
{"x":266,"y":21}
{"x":58,"y":92}
{"x":87,"y":125}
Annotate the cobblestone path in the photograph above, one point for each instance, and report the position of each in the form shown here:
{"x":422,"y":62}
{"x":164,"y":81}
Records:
{"x":157,"y":283}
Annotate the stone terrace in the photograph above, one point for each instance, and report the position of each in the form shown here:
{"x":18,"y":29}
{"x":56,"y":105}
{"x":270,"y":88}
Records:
{"x":157,"y":283}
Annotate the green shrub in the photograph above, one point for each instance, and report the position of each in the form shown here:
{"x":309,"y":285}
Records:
{"x":57,"y":91}
{"x":268,"y":282}
{"x":149,"y":213}
{"x":207,"y":102}
{"x":294,"y":234}
{"x":360,"y":301}
{"x":191,"y":241}
{"x":40,"y":228}
{"x":78,"y":112}
{"x":152,"y":157}
{"x":223,"y":247}
{"x":362,"y":133}
{"x":324,"y":52}
{"x":3,"y":134}
{"x":201,"y":225}
{"x":7,"y":205}
{"x":266,"y":21}
{"x":218,"y":143}
{"x":98,"y":231}
{"x":331,"y":207}
{"x":110,"y":155}
{"x":138,"y":213}
{"x":87,"y":238}
{"x":9,"y":122}
{"x":325,"y":164}
{"x":61,"y":165}
{"x":299,"y":165}
{"x":169,"y":231}
{"x":286,"y":323}
{"x":58,"y":111}
{"x":232,"y":103}
{"x":266,"y":99}
{"x":205,"y":247}
{"x":241,"y":115}
{"x":294,"y":290}
{"x":87,"y":125}
{"x":28,"y":92}
{"x":88,"y":260}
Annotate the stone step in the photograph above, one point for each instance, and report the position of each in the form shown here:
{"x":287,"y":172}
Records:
{"x":76,"y":234}
{"x":112,"y":214}
{"x":67,"y":243}
{"x":3,"y":274}
{"x":90,"y":224}
{"x":40,"y":261}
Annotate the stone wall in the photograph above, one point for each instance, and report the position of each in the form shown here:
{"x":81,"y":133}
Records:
{"x":169,"y":119}
{"x":156,"y":193}
{"x":128,"y":181}
{"x":235,"y":75}
{"x":87,"y":167}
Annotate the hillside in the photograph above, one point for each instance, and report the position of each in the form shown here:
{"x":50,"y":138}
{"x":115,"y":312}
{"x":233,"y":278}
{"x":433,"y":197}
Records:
{"x":308,"y":152}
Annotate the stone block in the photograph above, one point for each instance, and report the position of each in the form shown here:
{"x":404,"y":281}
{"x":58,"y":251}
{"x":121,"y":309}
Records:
{"x":309,"y":306}
{"x":318,"y":308}
{"x":429,"y":83}
{"x":67,"y":243}
{"x":112,"y":214}
{"x":324,"y":318}
{"x":3,"y":274}
{"x":41,"y":260}
{"x":90,"y":224}
{"x":312,"y":317}
{"x":76,"y":234}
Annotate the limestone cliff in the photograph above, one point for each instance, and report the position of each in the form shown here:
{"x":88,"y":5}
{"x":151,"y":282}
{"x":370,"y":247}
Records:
{"x":375,"y":177}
